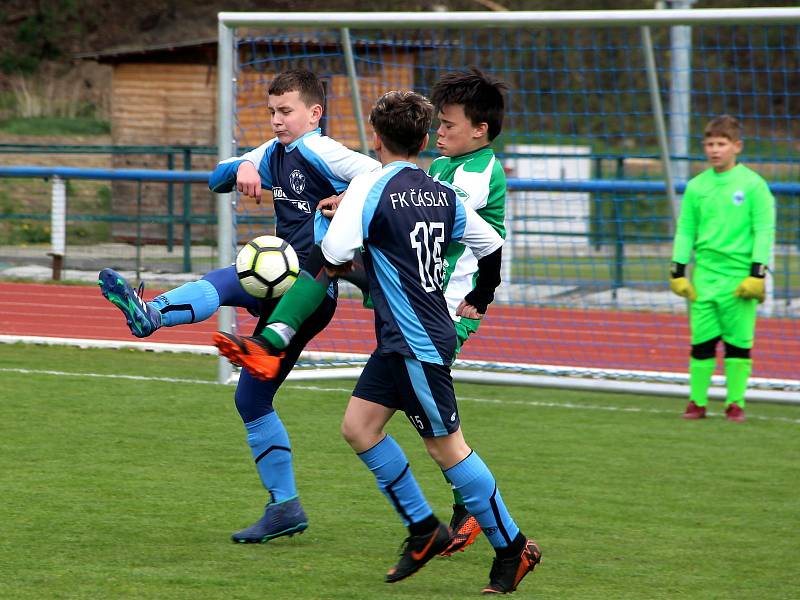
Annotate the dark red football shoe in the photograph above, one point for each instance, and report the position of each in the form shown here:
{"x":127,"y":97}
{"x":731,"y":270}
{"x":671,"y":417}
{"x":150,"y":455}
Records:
{"x":694,"y":412}
{"x":734,"y":412}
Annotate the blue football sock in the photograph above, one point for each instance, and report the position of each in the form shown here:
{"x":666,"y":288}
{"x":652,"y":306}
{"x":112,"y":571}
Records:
{"x":272,"y":451}
{"x":395,"y":480}
{"x":475,"y":482}
{"x":189,"y":303}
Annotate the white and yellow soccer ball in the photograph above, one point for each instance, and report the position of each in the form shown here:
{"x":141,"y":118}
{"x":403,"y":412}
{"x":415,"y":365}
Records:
{"x":267,"y":266}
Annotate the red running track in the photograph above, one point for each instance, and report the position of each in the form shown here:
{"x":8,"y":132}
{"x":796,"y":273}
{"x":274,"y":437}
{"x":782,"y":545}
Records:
{"x":526,"y":334}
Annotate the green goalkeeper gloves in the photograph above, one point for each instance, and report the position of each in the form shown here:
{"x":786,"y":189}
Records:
{"x":752,"y":286}
{"x":680,"y":284}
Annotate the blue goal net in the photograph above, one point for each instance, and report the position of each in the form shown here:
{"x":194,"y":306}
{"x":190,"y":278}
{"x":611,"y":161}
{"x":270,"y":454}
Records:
{"x":590,"y":218}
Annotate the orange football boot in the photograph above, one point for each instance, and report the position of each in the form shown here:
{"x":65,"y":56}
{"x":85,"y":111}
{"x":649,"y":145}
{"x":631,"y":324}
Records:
{"x":253,"y":353}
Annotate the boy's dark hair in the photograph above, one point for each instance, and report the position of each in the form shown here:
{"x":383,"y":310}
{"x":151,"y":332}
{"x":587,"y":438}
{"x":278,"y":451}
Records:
{"x":402,"y":120}
{"x":724,"y":126}
{"x":299,"y":80}
{"x":479,"y":94}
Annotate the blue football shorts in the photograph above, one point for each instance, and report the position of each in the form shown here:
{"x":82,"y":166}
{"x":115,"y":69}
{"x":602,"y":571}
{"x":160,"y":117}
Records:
{"x":423,"y":391}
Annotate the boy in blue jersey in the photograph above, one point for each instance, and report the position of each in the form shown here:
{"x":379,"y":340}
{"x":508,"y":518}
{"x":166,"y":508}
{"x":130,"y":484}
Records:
{"x":405,"y":221}
{"x":301,"y":167}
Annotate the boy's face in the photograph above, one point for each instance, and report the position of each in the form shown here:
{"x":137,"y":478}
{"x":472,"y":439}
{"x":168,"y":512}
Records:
{"x":721,"y":152}
{"x":456,"y":134}
{"x":291,"y":118}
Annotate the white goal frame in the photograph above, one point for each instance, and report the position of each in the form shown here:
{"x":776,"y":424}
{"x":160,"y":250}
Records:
{"x":596,"y":379}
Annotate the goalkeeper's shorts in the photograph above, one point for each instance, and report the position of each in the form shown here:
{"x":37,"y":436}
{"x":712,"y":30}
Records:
{"x":717,"y":312}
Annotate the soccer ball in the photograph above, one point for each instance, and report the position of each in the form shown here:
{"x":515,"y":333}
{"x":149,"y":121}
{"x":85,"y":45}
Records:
{"x":267,"y":266}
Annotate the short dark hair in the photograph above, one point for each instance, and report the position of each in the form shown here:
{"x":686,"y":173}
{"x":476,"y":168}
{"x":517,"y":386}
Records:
{"x":299,"y":80}
{"x":724,"y":126}
{"x":479,"y":94}
{"x":402,"y":120}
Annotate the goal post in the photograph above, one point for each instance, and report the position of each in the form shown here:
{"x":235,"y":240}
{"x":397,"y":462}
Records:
{"x":588,"y":143}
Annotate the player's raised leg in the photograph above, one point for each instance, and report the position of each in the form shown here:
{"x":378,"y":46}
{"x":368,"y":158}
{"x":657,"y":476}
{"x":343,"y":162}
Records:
{"x":190,"y":303}
{"x":142,"y":319}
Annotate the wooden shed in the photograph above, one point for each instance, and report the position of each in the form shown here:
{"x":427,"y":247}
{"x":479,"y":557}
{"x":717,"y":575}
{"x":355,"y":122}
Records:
{"x":166,"y":95}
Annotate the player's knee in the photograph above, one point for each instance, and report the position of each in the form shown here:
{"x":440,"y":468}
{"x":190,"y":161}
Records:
{"x":704,"y":350}
{"x":732,"y":351}
{"x":447,"y":451}
{"x":351,"y":433}
{"x":249,"y":406}
{"x":360,"y":436}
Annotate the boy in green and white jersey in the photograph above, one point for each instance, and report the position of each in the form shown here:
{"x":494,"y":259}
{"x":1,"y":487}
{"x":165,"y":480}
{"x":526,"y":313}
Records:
{"x":470,"y":107}
{"x":728,"y":219}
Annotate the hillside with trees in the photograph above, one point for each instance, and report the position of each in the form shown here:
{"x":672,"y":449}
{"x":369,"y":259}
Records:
{"x":40,"y":76}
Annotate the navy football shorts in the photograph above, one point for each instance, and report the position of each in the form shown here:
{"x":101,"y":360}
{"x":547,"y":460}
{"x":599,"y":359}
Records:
{"x":424,"y":391}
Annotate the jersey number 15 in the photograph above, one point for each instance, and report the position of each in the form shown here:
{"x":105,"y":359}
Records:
{"x":427,"y":239}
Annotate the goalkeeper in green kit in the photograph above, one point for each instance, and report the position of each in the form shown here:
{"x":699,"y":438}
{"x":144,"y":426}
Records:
{"x":728,"y":219}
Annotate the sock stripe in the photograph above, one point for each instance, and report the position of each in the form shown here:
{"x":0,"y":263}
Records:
{"x":497,"y":518}
{"x":393,"y":497}
{"x":270,"y":449}
{"x":399,"y":477}
{"x":177,"y":307}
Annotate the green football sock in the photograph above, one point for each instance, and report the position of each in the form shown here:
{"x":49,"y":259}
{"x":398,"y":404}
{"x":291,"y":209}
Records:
{"x":295,"y":306}
{"x":457,"y":497}
{"x":700,"y":372}
{"x":366,"y":300}
{"x":737,"y":372}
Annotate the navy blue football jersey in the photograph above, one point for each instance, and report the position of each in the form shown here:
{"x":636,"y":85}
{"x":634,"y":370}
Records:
{"x":405,"y":221}
{"x":299,"y":175}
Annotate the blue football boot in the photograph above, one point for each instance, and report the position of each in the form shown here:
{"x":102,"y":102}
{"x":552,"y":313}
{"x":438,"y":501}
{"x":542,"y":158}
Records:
{"x":142,"y":318}
{"x":281,"y":518}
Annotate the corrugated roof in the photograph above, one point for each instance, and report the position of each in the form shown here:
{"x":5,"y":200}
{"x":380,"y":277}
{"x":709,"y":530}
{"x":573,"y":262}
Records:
{"x":204,"y":48}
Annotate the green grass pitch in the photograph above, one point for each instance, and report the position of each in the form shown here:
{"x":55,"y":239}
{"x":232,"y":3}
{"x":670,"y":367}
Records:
{"x":118,"y":482}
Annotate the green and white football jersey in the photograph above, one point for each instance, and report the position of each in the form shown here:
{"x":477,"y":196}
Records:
{"x":480,"y":182}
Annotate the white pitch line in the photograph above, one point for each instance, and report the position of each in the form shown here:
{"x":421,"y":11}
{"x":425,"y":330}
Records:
{"x":340,"y":390}
{"x":566,"y":405}
{"x":105,"y":376}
